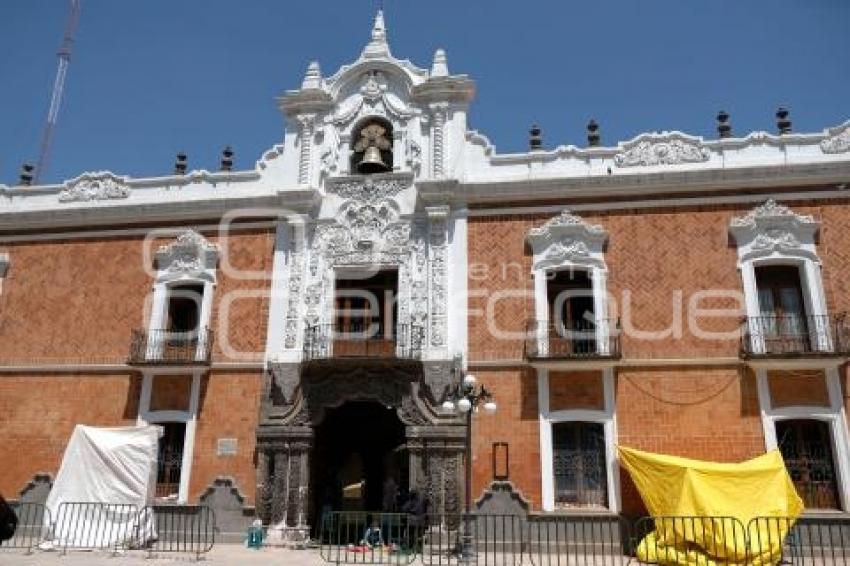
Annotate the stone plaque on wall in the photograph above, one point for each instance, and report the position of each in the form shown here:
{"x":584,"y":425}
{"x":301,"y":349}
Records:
{"x":226,"y":447}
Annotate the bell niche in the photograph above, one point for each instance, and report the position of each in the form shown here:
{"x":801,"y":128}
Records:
{"x":372,"y":146}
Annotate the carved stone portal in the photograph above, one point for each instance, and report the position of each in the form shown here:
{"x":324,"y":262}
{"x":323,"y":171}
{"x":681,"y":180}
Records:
{"x":296,"y":400}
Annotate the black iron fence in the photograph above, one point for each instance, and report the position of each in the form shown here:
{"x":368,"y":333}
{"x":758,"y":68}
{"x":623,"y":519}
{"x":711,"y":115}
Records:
{"x":795,"y":335}
{"x":188,"y":529}
{"x":577,"y":339}
{"x":171,"y":346}
{"x":587,"y":539}
{"x":33,"y":521}
{"x":556,"y":540}
{"x":354,"y":537}
{"x":356,"y":339}
{"x":491,"y":540}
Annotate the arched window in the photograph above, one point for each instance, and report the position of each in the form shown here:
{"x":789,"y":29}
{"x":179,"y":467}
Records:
{"x":372,"y":146}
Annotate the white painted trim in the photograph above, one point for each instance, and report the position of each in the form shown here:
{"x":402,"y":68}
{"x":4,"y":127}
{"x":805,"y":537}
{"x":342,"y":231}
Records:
{"x":279,"y":289}
{"x":458,"y":292}
{"x":835,"y":415}
{"x":606,"y":417}
{"x":189,"y":417}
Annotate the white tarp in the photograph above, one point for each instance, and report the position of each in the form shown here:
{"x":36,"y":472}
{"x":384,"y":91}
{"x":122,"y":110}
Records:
{"x":107,"y":477}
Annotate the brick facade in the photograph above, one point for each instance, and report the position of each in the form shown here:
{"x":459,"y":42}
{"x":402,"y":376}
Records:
{"x":37,"y":426}
{"x":655,"y":261}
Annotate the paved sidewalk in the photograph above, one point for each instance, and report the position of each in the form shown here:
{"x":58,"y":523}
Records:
{"x":222,"y":554}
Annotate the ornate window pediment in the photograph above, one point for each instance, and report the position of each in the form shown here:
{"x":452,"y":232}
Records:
{"x":567,"y":239}
{"x":774,"y":228}
{"x":189,"y":254}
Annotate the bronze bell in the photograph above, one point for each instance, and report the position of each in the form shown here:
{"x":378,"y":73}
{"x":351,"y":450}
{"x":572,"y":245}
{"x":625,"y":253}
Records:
{"x":372,"y":162}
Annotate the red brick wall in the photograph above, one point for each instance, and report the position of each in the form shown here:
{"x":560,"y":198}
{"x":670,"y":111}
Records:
{"x":798,"y":387}
{"x":171,"y":393}
{"x":576,"y":390}
{"x":515,"y":422}
{"x":39,"y":412}
{"x":697,"y":412}
{"x":245,"y":300}
{"x":54,"y":289}
{"x":229,"y":408}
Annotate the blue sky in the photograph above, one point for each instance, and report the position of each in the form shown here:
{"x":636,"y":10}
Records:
{"x":150,"y":78}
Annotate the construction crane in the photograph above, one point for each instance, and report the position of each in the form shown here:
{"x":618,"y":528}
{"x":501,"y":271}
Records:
{"x":64,"y":55}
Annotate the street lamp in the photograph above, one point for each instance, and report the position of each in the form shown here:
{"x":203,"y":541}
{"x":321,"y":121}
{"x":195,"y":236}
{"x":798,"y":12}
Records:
{"x":465,"y":398}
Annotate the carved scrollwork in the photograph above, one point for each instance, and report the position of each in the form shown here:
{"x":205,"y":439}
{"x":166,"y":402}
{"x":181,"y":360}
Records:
{"x":662,"y":150}
{"x":95,"y":186}
{"x":189,"y":253}
{"x":839,"y":142}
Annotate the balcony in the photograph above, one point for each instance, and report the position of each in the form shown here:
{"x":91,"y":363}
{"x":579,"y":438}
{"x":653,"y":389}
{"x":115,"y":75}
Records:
{"x":794,"y":336}
{"x":169,"y":347}
{"x":363,"y":340}
{"x":580,"y":340}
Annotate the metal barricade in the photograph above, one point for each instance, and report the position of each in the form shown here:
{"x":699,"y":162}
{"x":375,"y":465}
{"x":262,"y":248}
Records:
{"x":95,"y":526}
{"x":33,"y":519}
{"x":186,"y":529}
{"x":691,"y":540}
{"x":488,"y":540}
{"x":805,"y":541}
{"x":578,"y":539}
{"x":359,"y":537}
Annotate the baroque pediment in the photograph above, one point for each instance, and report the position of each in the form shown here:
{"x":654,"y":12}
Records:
{"x":190,"y":252}
{"x":662,"y":149}
{"x":102,"y":185}
{"x":773,"y":227}
{"x":567,"y":238}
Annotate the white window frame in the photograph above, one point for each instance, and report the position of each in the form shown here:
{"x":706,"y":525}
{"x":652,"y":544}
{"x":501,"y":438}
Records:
{"x":835,"y":415}
{"x":189,"y":417}
{"x":563,"y":243}
{"x":189,"y":260}
{"x":606,"y":417}
{"x":772,"y":234}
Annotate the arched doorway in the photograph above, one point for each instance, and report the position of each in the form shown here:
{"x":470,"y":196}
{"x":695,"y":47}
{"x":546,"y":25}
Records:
{"x":359,"y":450}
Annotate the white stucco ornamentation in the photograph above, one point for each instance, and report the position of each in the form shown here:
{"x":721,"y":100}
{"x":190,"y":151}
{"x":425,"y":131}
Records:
{"x":566,"y":238}
{"x":665,"y":149}
{"x":838,"y":141}
{"x":773,"y":227}
{"x":94,"y":186}
{"x":368,"y":189}
{"x":190,"y":253}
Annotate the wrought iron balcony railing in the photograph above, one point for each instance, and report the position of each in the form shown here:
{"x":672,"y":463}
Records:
{"x":582,"y":339}
{"x":362,"y":340}
{"x":171,"y":347}
{"x":793,"y":335}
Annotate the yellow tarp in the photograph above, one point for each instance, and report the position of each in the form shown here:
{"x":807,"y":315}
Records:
{"x":673,"y":488}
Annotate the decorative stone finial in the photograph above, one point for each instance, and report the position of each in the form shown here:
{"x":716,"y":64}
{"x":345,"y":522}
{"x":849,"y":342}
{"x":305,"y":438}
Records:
{"x":592,"y":133}
{"x":313,"y":77}
{"x":535,"y":138}
{"x":26,"y":175}
{"x":180,"y":164}
{"x":783,"y":122}
{"x":378,"y":46}
{"x":440,"y":68}
{"x":227,"y":159}
{"x":724,"y":128}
